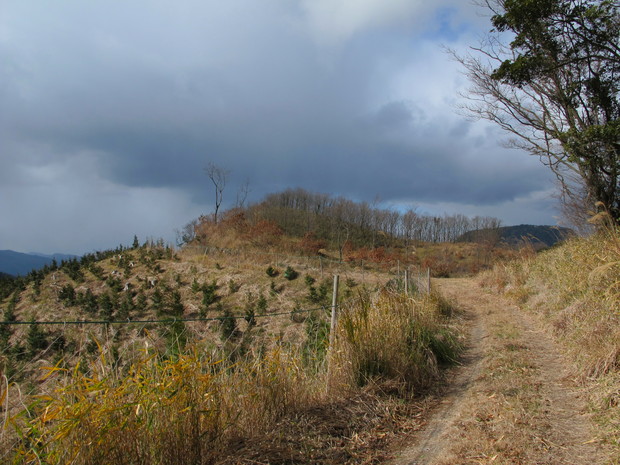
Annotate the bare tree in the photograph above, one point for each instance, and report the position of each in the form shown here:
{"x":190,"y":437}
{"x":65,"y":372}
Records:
{"x":187,"y":233}
{"x":218,"y":177}
{"x":242,"y":193}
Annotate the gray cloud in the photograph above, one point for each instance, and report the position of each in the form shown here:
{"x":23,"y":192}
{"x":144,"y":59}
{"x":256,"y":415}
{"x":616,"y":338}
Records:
{"x":120,"y":106}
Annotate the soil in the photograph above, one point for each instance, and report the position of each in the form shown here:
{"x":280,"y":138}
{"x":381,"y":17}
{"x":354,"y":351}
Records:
{"x":512,"y":400}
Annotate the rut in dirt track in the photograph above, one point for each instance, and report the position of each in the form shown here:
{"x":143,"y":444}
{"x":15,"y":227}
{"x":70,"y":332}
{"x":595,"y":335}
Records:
{"x":512,"y":401}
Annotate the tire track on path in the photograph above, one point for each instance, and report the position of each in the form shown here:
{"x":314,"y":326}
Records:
{"x":512,"y":400}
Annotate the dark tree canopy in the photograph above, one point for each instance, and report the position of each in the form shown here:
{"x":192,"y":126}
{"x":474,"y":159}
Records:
{"x":548,"y":74}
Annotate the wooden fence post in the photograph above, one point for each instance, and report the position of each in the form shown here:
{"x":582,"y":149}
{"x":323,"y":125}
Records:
{"x":334,"y":311}
{"x":407,"y":281}
{"x":428,"y":280}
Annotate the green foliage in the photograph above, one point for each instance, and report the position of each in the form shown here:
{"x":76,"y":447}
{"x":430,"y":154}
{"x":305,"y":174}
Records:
{"x":97,"y":271}
{"x":209,"y":295}
{"x":176,"y":305}
{"x":72,"y":269}
{"x":7,"y":285}
{"x":319,"y":296}
{"x":37,"y":279}
{"x":195,"y":286}
{"x":272,"y":272}
{"x":107,"y":305}
{"x":233,"y":286}
{"x":126,"y":307}
{"x":250,"y":309}
{"x":9,"y":316}
{"x":175,"y":333}
{"x":141,"y":302}
{"x":36,"y":339}
{"x":158,"y":301}
{"x":290,"y":273}
{"x":114,"y":283}
{"x":317,"y":339}
{"x":228,"y":325}
{"x":88,"y":302}
{"x":309,"y":280}
{"x":67,"y":295}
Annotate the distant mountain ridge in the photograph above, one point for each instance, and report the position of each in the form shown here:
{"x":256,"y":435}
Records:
{"x":538,"y":236}
{"x":20,"y":264}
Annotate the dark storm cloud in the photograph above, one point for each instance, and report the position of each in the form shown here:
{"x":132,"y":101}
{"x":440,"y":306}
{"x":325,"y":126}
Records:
{"x":112,"y":99}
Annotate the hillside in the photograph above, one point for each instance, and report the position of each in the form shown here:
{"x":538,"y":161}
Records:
{"x":149,"y":332}
{"x":538,"y":237}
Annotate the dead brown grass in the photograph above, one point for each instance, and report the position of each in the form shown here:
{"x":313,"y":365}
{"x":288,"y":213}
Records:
{"x":512,"y":401}
{"x":261,"y":404}
{"x":576,"y":289}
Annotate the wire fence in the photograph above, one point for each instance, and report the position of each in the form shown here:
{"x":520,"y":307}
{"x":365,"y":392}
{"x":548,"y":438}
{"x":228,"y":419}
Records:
{"x":402,"y":279}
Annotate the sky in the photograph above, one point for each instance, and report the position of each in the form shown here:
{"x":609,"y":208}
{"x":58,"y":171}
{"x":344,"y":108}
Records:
{"x":110,"y":111}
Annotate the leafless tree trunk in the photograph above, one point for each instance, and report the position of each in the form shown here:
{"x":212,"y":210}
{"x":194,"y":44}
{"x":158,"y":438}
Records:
{"x":218,"y":177}
{"x":242,"y":193}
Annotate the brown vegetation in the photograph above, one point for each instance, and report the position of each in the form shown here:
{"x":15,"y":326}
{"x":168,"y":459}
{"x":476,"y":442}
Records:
{"x":575,"y":289}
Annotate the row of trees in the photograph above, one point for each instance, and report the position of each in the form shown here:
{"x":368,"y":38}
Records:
{"x":337,"y":222}
{"x":298,"y":212}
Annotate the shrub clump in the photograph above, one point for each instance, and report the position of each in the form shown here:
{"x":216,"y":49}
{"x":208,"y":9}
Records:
{"x":290,"y":273}
{"x":394,"y":338}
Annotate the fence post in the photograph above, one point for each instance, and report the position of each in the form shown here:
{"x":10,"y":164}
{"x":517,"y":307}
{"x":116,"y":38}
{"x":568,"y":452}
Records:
{"x":407,"y":281}
{"x":428,"y":279}
{"x":334,"y":310}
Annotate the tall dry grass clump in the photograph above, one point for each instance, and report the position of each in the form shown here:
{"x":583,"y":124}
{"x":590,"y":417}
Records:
{"x":394,"y":338}
{"x":174,"y":411}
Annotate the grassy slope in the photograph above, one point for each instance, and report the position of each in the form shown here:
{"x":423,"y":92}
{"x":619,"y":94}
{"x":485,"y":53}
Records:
{"x":575,"y":288}
{"x":120,"y":386}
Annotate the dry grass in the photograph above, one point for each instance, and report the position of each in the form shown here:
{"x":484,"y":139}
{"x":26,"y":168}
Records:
{"x":267,"y":406}
{"x":576,"y":289}
{"x":393,"y":337}
{"x":160,"y":411}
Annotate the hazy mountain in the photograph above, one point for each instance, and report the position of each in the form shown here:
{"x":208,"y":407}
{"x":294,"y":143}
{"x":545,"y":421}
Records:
{"x":58,"y":256}
{"x":17,"y":263}
{"x":538,"y":236}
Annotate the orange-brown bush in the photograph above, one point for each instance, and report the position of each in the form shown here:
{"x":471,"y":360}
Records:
{"x":311,"y":245}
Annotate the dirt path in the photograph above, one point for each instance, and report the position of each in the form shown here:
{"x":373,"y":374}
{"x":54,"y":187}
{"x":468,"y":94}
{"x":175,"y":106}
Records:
{"x":511,"y":402}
